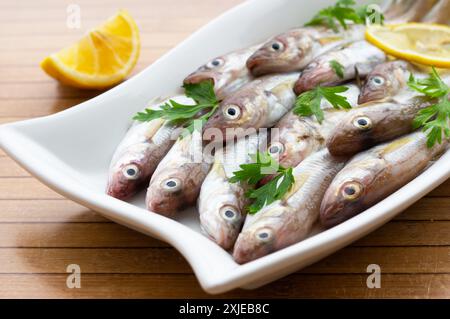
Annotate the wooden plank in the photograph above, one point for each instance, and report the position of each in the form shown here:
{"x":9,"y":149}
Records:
{"x":29,"y":74}
{"x":351,"y":260}
{"x":113,"y":235}
{"x":186,"y":286}
{"x":9,"y":168}
{"x":428,"y":209}
{"x":43,"y":90}
{"x":36,"y":107}
{"x":441,"y":191}
{"x":157,"y":24}
{"x":57,"y":42}
{"x":31,"y":58}
{"x":46,"y":211}
{"x":25,"y":188}
{"x":45,"y":235}
{"x":409,"y":234}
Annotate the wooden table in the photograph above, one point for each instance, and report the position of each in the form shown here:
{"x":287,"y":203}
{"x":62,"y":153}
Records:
{"x":41,"y":233}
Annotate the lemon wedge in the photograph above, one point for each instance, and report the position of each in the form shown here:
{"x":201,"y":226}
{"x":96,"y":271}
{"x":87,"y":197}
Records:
{"x":422,"y":43}
{"x":101,"y":59}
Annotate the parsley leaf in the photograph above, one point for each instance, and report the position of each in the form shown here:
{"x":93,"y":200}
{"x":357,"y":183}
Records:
{"x":253,"y":173}
{"x":433,"y":86}
{"x":434,"y":119}
{"x":342,"y":12}
{"x":338,"y":68}
{"x":184,"y":114}
{"x":263,"y":164}
{"x":308,"y":103}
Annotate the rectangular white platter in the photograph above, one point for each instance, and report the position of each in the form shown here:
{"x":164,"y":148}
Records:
{"x":70,"y":152}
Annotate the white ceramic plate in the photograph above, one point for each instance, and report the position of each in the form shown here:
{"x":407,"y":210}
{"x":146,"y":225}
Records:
{"x":70,"y":152}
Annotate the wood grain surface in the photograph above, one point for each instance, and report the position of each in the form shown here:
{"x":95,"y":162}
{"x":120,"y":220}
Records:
{"x":41,"y":232}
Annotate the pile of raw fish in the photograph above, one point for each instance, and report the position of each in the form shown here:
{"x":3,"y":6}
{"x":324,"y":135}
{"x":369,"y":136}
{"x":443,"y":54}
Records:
{"x":342,"y":166}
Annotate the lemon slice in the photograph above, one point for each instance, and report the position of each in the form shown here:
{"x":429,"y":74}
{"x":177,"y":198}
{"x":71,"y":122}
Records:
{"x":101,"y":59}
{"x":422,"y":43}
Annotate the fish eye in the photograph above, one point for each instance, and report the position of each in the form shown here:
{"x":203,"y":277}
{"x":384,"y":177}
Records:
{"x":264,"y":235}
{"x":363,"y":123}
{"x":352,"y":190}
{"x":276,"y":149}
{"x":215,"y":63}
{"x":277,"y":46}
{"x":131,"y":172}
{"x":232,"y":112}
{"x":230,"y":213}
{"x":378,"y":80}
{"x":171,"y":184}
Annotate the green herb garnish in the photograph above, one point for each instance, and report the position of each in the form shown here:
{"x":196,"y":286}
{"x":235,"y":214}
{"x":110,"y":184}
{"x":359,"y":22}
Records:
{"x":435,"y":118}
{"x":341,"y":13}
{"x":253,"y":173}
{"x":338,"y":68}
{"x":186,"y":115}
{"x":308,"y":103}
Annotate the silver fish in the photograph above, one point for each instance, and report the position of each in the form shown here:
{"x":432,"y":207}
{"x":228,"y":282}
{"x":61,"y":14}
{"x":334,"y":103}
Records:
{"x":229,"y":72}
{"x":385,"y":81}
{"x":288,"y":221}
{"x":176,"y":183}
{"x":259,"y":104}
{"x":221,"y":204}
{"x":439,"y":14}
{"x":373,"y":175}
{"x":298,"y":137}
{"x":295,"y":49}
{"x":137,"y":156}
{"x":358,"y":58}
{"x":375,"y":123}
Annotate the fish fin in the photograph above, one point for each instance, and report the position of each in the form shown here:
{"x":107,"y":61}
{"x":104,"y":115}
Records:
{"x":331,"y":39}
{"x":300,"y":180}
{"x":395,"y":145}
{"x":218,"y":169}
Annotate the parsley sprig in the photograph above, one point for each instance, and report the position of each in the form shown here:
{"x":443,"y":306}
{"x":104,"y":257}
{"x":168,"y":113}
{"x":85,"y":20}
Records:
{"x":262,"y":166}
{"x":337,"y":68}
{"x":342,"y":13}
{"x":308,"y":103}
{"x":435,"y":118}
{"x":183,"y":114}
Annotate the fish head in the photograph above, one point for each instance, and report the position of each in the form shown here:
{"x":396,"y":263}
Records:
{"x":283,"y":53}
{"x":341,"y":202}
{"x":222,"y":220}
{"x":264,"y":236}
{"x":215,"y":70}
{"x":352,"y":190}
{"x":295,"y":140}
{"x":127,"y":176}
{"x":317,"y":72}
{"x":353,"y":133}
{"x":169,"y":191}
{"x":236,"y":114}
{"x":384,"y":81}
